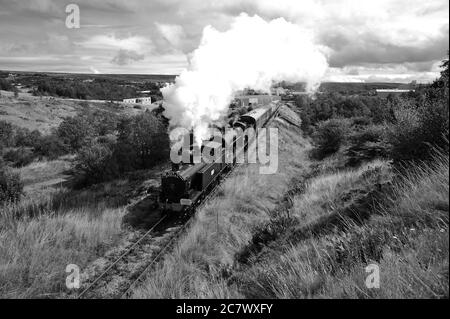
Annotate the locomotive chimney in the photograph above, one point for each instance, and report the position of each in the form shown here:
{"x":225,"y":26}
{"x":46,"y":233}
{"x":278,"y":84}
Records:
{"x":176,"y":167}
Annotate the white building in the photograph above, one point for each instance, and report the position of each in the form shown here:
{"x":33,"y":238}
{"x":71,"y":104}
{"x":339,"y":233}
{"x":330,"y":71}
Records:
{"x":139,"y":100}
{"x":383,"y":93}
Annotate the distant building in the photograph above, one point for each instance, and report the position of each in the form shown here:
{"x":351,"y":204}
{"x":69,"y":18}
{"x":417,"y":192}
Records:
{"x":278,"y":91}
{"x":383,"y":93}
{"x":138,"y":100}
{"x":255,"y":100}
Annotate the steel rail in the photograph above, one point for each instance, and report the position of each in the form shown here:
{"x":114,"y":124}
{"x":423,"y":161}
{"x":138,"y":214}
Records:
{"x":120,"y":258}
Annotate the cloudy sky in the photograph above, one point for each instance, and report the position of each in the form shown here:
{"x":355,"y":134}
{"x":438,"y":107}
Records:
{"x":383,"y":40}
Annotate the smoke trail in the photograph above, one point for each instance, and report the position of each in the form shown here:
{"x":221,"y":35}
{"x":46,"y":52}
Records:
{"x":253,"y":53}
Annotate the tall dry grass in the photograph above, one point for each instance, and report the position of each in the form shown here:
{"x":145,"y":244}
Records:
{"x":318,"y":245}
{"x":41,"y":235}
{"x":200,"y":265}
{"x":407,"y":237}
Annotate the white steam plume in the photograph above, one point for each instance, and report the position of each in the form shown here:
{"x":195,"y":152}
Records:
{"x":253,"y":53}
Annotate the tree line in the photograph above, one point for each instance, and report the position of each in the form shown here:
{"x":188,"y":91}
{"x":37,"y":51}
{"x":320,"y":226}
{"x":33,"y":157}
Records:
{"x":403,"y":128}
{"x":106,"y":146}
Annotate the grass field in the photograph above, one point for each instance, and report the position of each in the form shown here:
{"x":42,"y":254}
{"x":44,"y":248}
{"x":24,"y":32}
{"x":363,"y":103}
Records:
{"x":308,"y":231}
{"x":40,"y":236}
{"x":45,"y":113}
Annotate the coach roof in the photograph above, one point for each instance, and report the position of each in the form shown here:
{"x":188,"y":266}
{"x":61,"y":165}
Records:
{"x":255,"y":114}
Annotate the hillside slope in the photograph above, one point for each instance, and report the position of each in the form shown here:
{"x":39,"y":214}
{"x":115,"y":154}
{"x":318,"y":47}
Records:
{"x":45,"y":113}
{"x":204,"y":259}
{"x":310,"y":231}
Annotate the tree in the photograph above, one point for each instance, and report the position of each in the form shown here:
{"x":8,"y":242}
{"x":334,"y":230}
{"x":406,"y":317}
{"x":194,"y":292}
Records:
{"x":75,"y":132}
{"x":142,"y":141}
{"x":329,"y":136}
{"x":51,"y":146}
{"x":95,"y":164}
{"x":6,"y":134}
{"x":444,"y":72}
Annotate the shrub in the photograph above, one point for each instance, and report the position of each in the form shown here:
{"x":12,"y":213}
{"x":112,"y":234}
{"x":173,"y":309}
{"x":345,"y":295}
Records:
{"x":95,"y":164}
{"x":142,"y":142}
{"x":6,"y":134}
{"x":403,"y":134}
{"x":360,"y":121}
{"x":382,"y":113}
{"x":329,"y":136}
{"x":51,"y":146}
{"x":104,"y":123}
{"x":367,"y":144}
{"x":11,"y":187}
{"x":14,"y":136}
{"x":75,"y":132}
{"x":108,"y":140}
{"x":434,"y":125}
{"x":27,"y":138}
{"x":5,"y":85}
{"x":417,"y":131}
{"x":19,"y":157}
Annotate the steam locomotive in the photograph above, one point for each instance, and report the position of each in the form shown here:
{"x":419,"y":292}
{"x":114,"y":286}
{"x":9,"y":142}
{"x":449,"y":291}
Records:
{"x":183,"y":187}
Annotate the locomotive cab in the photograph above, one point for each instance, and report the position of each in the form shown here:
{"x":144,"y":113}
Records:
{"x":177,"y":184}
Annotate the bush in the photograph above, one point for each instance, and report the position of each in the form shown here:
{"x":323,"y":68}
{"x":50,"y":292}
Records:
{"x":50,"y":146}
{"x":19,"y":157}
{"x":11,"y":187}
{"x":367,"y":144}
{"x":95,"y":164}
{"x":417,"y":131}
{"x":403,"y":135}
{"x":329,"y":136}
{"x":104,"y":123}
{"x":142,"y":142}
{"x":75,"y":132}
{"x":360,"y":121}
{"x":5,"y":85}
{"x":109,"y":140}
{"x":434,"y":125}
{"x":6,"y":134}
{"x":14,"y":136}
{"x":27,"y":138}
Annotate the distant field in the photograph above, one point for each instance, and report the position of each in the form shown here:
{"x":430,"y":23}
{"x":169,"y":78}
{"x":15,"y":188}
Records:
{"x":86,"y":76}
{"x":45,"y":113}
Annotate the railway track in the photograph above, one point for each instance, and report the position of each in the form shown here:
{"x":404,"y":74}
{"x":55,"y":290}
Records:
{"x":130,"y":267}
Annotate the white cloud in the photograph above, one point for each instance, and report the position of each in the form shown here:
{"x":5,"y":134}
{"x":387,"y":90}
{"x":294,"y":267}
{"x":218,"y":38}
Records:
{"x":110,"y":41}
{"x":125,"y":57}
{"x":357,"y":34}
{"x":348,"y":26}
{"x":405,"y":72}
{"x":173,"y":33}
{"x":94,"y":70}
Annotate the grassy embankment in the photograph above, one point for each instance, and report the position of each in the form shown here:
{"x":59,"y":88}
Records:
{"x":310,"y":230}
